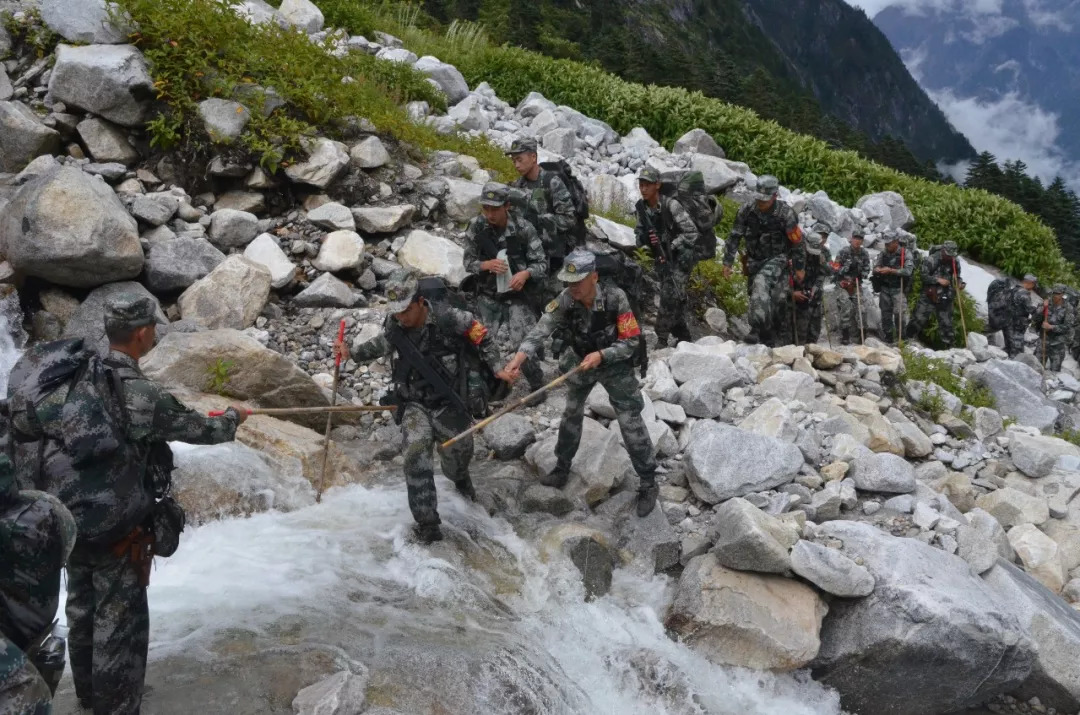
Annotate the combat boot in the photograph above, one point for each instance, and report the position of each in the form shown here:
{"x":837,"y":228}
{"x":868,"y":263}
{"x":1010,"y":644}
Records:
{"x":646,"y":499}
{"x":466,"y":489}
{"x":557,"y":478}
{"x":427,"y":533}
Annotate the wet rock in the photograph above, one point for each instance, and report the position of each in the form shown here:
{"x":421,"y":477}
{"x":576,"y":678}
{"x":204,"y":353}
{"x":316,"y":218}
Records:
{"x":600,"y":464}
{"x":725,"y":462}
{"x":748,"y":539}
{"x":340,"y":694}
{"x":509,"y":436}
{"x":538,"y":498}
{"x":830,"y":570}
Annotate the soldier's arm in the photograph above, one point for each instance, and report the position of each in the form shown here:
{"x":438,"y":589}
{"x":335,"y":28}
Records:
{"x":907,"y":267}
{"x":553,"y":318}
{"x":168,"y":420}
{"x":682,"y":226}
{"x":738,"y":231}
{"x":535,"y":255}
{"x":864,"y":266}
{"x":471,"y":259}
{"x":627,"y":331}
{"x":562,"y":207}
{"x":461,"y":322}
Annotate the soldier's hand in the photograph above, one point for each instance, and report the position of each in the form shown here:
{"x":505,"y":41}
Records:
{"x":506,"y":376}
{"x":799,"y":296}
{"x":800,"y":275}
{"x":495,"y":265}
{"x":591,"y":361}
{"x":341,"y":350}
{"x":1047,"y":326}
{"x":943,"y":281}
{"x":242,"y":411}
{"x":653,"y":238}
{"x":726,"y":271}
{"x":518,"y":281}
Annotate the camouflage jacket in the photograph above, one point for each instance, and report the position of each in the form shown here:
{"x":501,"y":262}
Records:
{"x":34,"y":557}
{"x":524,"y":250}
{"x":902,"y":260}
{"x":22,"y":691}
{"x":674,"y":227}
{"x":939,"y":266}
{"x":450,"y":336}
{"x":851,"y":265}
{"x":1060,"y":318}
{"x":817,"y":269}
{"x":550,"y":210}
{"x":767,"y":235}
{"x":609,"y":326}
{"x":110,"y":498}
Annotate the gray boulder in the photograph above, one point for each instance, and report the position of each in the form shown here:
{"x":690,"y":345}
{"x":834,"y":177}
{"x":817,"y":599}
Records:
{"x":332,"y":216}
{"x":106,"y":142}
{"x":112,"y":81}
{"x":748,"y":539}
{"x":725,"y":462}
{"x":326,"y":161}
{"x":883,"y":472}
{"x":176,"y":264}
{"x":88,"y":321}
{"x":155,"y":209}
{"x":889,"y":206}
{"x":340,"y":251}
{"x":446,"y":77}
{"x":85,"y":22}
{"x":223,"y":119}
{"x":509,"y":436}
{"x":383,"y":219}
{"x":929,"y":621}
{"x":23,"y":137}
{"x":302,"y":14}
{"x":702,"y":397}
{"x":70,"y":229}
{"x":718,"y":176}
{"x":369,"y":153}
{"x":788,"y":386}
{"x":230,"y":228}
{"x":830,"y":570}
{"x":1055,"y":628}
{"x":433,"y":255}
{"x":560,"y":141}
{"x":462,"y":199}
{"x":600,"y":464}
{"x":549,"y":500}
{"x":651,"y":541}
{"x":698,"y":141}
{"x":6,"y":89}
{"x":326,"y":292}
{"x":982,"y":541}
{"x":231,"y":296}
{"x":265,"y":251}
{"x":1037,"y":456}
{"x":691,"y":362}
{"x":1017,"y":389}
{"x":533,"y":104}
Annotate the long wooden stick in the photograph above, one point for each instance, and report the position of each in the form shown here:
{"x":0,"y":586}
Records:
{"x":285,"y":411}
{"x":330,"y":415}
{"x":960,"y":301}
{"x":507,"y":410}
{"x":858,"y":300}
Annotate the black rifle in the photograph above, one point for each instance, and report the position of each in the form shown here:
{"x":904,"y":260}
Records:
{"x":433,"y":372}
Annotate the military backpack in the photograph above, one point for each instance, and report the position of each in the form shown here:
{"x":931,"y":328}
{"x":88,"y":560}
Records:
{"x":688,"y":188}
{"x":578,"y":195}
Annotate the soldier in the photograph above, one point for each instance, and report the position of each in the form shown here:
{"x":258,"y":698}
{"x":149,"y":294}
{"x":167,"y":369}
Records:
{"x":666,"y":229}
{"x":550,"y":206}
{"x":1072,"y":297}
{"x":938,"y":273}
{"x":113,"y":503}
{"x":603,"y":338}
{"x":1010,"y":309}
{"x":508,"y":315}
{"x":808,"y":290}
{"x":773,"y":246}
{"x":434,"y":351}
{"x":894,"y":267}
{"x":1054,"y":323}
{"x":850,"y":268}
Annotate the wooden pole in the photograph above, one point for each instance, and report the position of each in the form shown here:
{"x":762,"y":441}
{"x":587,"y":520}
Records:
{"x":330,"y":415}
{"x":858,"y":300}
{"x":285,"y":411}
{"x":960,"y":301}
{"x":507,"y":410}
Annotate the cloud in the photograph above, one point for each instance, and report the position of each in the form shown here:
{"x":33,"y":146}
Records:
{"x":922,"y":7}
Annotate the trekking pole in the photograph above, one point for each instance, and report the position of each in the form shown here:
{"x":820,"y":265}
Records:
{"x":285,"y":411}
{"x":506,"y":410}
{"x":794,"y":326}
{"x":960,"y":301}
{"x":825,"y":312}
{"x":1046,"y":314}
{"x":903,"y":304}
{"x":858,"y":301}
{"x":330,"y":415}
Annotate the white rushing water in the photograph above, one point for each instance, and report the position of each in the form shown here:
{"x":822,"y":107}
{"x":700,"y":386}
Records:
{"x":610,"y":656}
{"x":12,"y":337}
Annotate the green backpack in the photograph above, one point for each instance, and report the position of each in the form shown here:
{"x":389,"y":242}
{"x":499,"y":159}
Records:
{"x":688,"y":188}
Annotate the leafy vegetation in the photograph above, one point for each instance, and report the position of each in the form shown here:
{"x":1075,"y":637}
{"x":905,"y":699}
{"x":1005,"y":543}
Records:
{"x":217,"y":376}
{"x":29,"y":30}
{"x":923,"y":368}
{"x":199,"y":49}
{"x":1070,"y":435}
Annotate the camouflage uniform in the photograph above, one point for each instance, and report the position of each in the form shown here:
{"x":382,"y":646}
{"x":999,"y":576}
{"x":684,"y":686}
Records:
{"x":609,"y":327}
{"x":773,"y":248}
{"x":936,"y":299}
{"x":1059,"y":335}
{"x":111,"y":500}
{"x":850,"y":268}
{"x":812,"y":286}
{"x":1072,"y":297}
{"x":891,"y":299}
{"x":450,"y":336}
{"x":1011,"y":312}
{"x":22,"y":689}
{"x":677,"y":233}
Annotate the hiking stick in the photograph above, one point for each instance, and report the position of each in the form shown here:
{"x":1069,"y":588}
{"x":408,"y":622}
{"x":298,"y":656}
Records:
{"x":283,"y":411}
{"x":858,"y":300}
{"x":1046,"y":313}
{"x":900,"y":316}
{"x":794,"y":326}
{"x":510,"y":408}
{"x":825,"y":312}
{"x":330,"y":415}
{"x":960,"y":298}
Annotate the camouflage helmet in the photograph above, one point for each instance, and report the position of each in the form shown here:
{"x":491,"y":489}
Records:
{"x":813,"y":244}
{"x":1030,"y":278}
{"x":890,"y":236}
{"x":649,"y":174}
{"x":577,"y":266}
{"x":401,"y":288}
{"x":1060,"y":289}
{"x":521,"y":145}
{"x":821,"y":227}
{"x":950,"y":248}
{"x":768,"y":186}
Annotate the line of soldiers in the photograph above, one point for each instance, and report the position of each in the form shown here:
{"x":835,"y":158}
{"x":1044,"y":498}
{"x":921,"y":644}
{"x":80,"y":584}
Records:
{"x":1056,"y":319}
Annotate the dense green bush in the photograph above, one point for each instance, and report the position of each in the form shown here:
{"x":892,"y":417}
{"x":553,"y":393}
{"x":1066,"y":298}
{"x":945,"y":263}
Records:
{"x":924,"y":368}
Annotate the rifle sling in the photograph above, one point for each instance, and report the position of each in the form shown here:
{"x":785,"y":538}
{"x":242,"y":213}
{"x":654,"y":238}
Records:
{"x":411,"y":354}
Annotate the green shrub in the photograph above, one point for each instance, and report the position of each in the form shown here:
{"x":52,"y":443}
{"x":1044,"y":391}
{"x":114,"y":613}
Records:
{"x":30,"y":30}
{"x":217,"y":376}
{"x":924,"y":368}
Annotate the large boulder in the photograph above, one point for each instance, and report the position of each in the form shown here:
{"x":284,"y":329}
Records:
{"x":649,"y":543}
{"x":85,"y":22}
{"x":611,"y":194}
{"x":1054,"y":627}
{"x":1037,"y":456}
{"x":23,"y":137}
{"x":326,"y":161}
{"x":231,"y":296}
{"x":929,"y":621}
{"x":433,"y":255}
{"x":462,"y":199}
{"x":70,"y":229}
{"x":383,"y":219}
{"x":698,"y":141}
{"x":88,"y":321}
{"x":326,"y":292}
{"x":888,"y":206}
{"x":340,"y":251}
{"x":111,"y":81}
{"x":230,"y":228}
{"x":265,"y":251}
{"x":772,"y":419}
{"x":446,"y":77}
{"x":883,"y":473}
{"x":744,"y":619}
{"x":1017,"y":389}
{"x":718,"y":176}
{"x":691,"y":362}
{"x":600,"y":464}
{"x":302,"y":14}
{"x":748,"y":539}
{"x":830,"y":570}
{"x":725,"y":462}
{"x":106,"y":142}
{"x":509,"y":436}
{"x":1012,"y":507}
{"x":789,"y":386}
{"x":175,"y":264}
{"x":702,"y":397}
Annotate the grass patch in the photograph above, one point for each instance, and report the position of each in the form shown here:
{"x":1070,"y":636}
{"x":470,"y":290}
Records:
{"x":1070,"y":435}
{"x":29,"y":30}
{"x":923,"y":368}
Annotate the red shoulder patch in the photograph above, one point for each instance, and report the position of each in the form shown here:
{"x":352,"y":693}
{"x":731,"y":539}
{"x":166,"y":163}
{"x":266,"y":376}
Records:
{"x":627,"y":326}
{"x":476,"y":332}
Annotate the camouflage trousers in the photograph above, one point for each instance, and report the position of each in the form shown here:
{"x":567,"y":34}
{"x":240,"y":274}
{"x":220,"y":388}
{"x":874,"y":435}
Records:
{"x":22,"y":689}
{"x":1055,"y":354}
{"x":847,"y":316}
{"x":765,"y":287}
{"x":891,"y":302}
{"x":1014,"y":332}
{"x":109,"y":632}
{"x":671,"y":318}
{"x":943,"y":309}
{"x":424,"y":429}
{"x":807,"y":320}
{"x":509,"y":321}
{"x":625,"y":394}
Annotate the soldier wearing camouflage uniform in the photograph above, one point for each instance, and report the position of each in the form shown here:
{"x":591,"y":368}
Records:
{"x":1010,"y":311}
{"x":774,"y":249}
{"x":451,"y":341}
{"x":1072,"y":297}
{"x":808,"y":290}
{"x":851,"y":267}
{"x":550,"y":207}
{"x":894,"y":267}
{"x":665,"y":228}
{"x":1054,"y":323}
{"x":938,"y":295}
{"x":508,"y":316}
{"x":112,"y":503}
{"x":603,"y":339}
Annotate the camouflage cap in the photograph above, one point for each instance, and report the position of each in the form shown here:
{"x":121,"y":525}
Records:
{"x":950,"y":248}
{"x":401,"y":288}
{"x":649,"y":174}
{"x":521,"y":145}
{"x":1031,"y":278}
{"x":858,"y":235}
{"x":813,"y":245}
{"x":891,"y":236}
{"x":129,"y":310}
{"x":768,"y":186}
{"x":577,"y":266}
{"x":494,"y":194}
{"x":821,"y":227}
{"x":1060,"y":288}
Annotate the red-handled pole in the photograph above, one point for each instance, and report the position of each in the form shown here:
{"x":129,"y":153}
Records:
{"x":330,"y":415}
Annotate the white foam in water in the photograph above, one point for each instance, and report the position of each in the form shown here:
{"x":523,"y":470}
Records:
{"x":247,"y":573}
{"x":11,"y":337}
